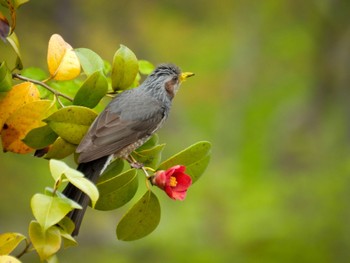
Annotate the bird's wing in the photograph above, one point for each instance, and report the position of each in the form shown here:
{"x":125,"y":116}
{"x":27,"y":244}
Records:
{"x":122,"y":123}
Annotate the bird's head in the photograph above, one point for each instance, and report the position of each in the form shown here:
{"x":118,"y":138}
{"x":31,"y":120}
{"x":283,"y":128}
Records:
{"x":166,"y":79}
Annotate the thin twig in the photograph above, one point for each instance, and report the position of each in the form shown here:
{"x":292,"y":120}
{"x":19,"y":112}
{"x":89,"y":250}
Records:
{"x":38,"y":82}
{"x":25,"y":250}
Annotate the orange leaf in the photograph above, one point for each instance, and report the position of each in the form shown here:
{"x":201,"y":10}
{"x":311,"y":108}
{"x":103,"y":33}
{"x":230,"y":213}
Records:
{"x":22,"y":121}
{"x":62,"y":61}
{"x":14,"y":99}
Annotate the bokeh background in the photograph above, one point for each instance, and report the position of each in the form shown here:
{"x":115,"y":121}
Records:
{"x":271,"y":93}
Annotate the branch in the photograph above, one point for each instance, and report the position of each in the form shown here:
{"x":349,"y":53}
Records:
{"x":38,"y":82}
{"x":25,"y":250}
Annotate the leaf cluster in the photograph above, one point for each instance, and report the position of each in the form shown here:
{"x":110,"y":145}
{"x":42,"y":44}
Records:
{"x":48,"y":111}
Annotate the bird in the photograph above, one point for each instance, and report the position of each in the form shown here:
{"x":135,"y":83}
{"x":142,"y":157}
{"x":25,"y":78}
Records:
{"x":126,"y":123}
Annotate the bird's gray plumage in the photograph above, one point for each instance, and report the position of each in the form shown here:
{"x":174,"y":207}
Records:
{"x":132,"y":116}
{"x":124,"y":125}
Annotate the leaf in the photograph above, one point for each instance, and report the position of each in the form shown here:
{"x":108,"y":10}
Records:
{"x":52,"y":259}
{"x":9,"y":241}
{"x":141,"y":219}
{"x":67,"y":87}
{"x":77,"y":178}
{"x":18,"y":3}
{"x":18,"y":96}
{"x":89,"y":60}
{"x":146,"y":67}
{"x":57,"y":169}
{"x":13,"y":40}
{"x":195,"y":158}
{"x":115,"y":167}
{"x":60,"y":149}
{"x":62,"y":61}
{"x":67,"y":225}
{"x":149,"y":157}
{"x":34,"y":73}
{"x":21,"y":122}
{"x":124,"y":68}
{"x":117,"y":191}
{"x":49,"y":210}
{"x":71,"y":123}
{"x":46,"y":242}
{"x":150,"y":143}
{"x":92,"y":91}
{"x":5,"y":78}
{"x":68,"y":240}
{"x":40,"y":137}
{"x":9,"y":259}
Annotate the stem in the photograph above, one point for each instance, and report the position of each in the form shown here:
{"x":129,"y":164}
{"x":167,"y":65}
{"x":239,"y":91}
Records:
{"x":25,"y":250}
{"x":38,"y":82}
{"x":137,"y":165}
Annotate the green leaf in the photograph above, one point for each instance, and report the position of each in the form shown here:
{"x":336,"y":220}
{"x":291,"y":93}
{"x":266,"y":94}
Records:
{"x":77,"y":178}
{"x":141,"y":219}
{"x":46,"y":242}
{"x":67,"y":87}
{"x":149,"y":157}
{"x":107,"y":67}
{"x":41,"y":137}
{"x":35,"y":73}
{"x":89,"y":60}
{"x":5,"y":78}
{"x":92,"y":90}
{"x":57,"y":169}
{"x":146,"y":67}
{"x":150,"y":143}
{"x":124,"y":68}
{"x":38,"y":74}
{"x":49,"y":210}
{"x":66,"y":227}
{"x":68,"y":240}
{"x":71,"y":123}
{"x":115,"y":167}
{"x":52,"y":259}
{"x":18,"y":3}
{"x":9,"y":241}
{"x":195,"y":158}
{"x":117,"y":191}
{"x":9,"y":259}
{"x":60,"y":149}
{"x":13,"y":40}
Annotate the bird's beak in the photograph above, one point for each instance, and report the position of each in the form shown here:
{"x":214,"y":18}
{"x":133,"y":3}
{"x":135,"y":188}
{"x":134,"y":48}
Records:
{"x":185,"y":75}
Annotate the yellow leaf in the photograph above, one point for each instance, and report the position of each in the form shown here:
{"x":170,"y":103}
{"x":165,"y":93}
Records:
{"x":21,"y":122}
{"x":9,"y":241}
{"x":18,"y":96}
{"x":62,"y":61}
{"x":9,"y":259}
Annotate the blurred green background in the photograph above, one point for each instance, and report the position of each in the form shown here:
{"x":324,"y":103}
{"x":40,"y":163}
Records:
{"x":271,"y":93}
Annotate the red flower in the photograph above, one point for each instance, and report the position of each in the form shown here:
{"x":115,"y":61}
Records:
{"x":173,"y":181}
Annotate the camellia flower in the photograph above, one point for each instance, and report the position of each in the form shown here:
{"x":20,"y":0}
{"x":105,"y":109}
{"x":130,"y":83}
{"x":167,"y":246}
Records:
{"x":173,"y":181}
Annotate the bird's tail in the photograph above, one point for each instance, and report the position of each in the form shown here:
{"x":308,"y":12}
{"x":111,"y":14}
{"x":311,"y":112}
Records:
{"x":92,"y":171}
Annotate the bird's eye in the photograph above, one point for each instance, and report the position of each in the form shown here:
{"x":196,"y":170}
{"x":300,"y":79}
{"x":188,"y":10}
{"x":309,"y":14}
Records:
{"x":175,"y":78}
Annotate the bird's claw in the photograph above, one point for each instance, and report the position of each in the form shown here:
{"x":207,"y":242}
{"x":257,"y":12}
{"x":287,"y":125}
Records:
{"x":136,"y":165}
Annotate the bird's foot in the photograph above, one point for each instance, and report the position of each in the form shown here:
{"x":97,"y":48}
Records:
{"x":136,"y":165}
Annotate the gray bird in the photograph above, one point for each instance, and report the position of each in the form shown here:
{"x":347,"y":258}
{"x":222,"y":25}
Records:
{"x":127,"y":122}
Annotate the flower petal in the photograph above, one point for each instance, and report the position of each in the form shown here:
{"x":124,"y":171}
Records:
{"x":179,"y":195}
{"x":183,"y":182}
